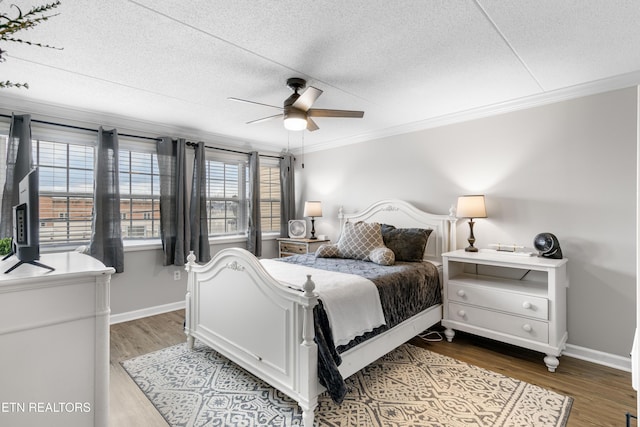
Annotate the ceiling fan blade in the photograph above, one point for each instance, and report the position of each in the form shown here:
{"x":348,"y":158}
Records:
{"x":264,"y":119}
{"x":307,"y":98}
{"x":311,"y":125}
{"x":253,"y":102}
{"x":335,"y":113}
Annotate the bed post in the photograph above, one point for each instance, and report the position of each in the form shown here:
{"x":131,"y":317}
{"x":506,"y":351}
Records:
{"x":451,"y":233}
{"x":341,"y":220}
{"x":308,"y":357}
{"x":188,"y":324}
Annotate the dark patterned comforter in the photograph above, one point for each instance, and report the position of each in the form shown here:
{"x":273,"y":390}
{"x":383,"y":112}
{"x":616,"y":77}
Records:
{"x":405,"y":289}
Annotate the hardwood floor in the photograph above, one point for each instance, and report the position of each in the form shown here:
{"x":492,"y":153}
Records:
{"x":129,"y":407}
{"x":602,"y":396}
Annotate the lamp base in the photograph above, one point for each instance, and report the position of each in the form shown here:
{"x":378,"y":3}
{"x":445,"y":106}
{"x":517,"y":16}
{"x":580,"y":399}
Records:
{"x":471,"y":238}
{"x":313,"y":229}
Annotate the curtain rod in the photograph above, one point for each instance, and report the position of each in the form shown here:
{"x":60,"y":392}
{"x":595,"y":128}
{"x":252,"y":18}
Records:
{"x":137,"y":136}
{"x":193,"y":144}
{"x":83,"y":128}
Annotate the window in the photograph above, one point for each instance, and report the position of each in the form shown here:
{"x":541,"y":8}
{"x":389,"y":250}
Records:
{"x":139,"y":194}
{"x":66,"y":191}
{"x":228,"y":194}
{"x":270,"y":198}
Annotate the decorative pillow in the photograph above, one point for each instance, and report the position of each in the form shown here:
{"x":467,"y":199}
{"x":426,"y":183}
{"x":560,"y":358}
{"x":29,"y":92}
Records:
{"x":327,"y":251}
{"x":408,"y":244}
{"x":359,"y":239}
{"x":382,"y":256}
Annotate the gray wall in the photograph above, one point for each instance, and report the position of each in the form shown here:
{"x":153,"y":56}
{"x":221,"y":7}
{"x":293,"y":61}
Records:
{"x":568,"y":168}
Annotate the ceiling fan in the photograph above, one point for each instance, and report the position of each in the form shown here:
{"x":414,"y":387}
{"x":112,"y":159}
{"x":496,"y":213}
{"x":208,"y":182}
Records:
{"x":297,"y":111}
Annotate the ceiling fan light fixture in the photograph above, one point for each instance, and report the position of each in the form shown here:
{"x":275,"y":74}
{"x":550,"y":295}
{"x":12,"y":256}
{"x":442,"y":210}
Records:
{"x":296,"y":110}
{"x":295,"y":120}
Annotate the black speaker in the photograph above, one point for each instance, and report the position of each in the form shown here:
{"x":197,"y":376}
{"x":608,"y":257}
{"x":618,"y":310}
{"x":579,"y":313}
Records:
{"x":548,"y":245}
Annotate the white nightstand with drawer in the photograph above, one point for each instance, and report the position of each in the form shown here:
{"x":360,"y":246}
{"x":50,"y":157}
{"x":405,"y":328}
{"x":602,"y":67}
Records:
{"x":514,"y":299}
{"x":291,"y":246}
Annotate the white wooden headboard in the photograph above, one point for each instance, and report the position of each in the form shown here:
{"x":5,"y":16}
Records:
{"x":402,"y":214}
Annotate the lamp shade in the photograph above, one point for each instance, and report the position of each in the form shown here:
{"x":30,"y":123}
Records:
{"x":312,"y":209}
{"x":471,"y":207}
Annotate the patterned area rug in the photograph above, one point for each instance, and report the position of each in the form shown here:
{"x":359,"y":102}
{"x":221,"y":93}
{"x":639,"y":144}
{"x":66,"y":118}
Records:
{"x":410,"y":386}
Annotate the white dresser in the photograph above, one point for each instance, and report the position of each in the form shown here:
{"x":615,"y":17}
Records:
{"x":514,"y":299}
{"x":54,"y":342}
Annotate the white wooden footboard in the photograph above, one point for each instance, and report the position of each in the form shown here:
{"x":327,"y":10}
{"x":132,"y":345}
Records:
{"x":234,"y":306}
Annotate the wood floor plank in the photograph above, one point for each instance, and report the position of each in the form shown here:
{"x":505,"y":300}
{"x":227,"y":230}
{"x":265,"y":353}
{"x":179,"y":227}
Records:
{"x":602,"y":395}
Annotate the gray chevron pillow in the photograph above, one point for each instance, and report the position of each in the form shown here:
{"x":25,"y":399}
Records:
{"x":328,"y":251}
{"x":359,"y":239}
{"x":383,"y":256}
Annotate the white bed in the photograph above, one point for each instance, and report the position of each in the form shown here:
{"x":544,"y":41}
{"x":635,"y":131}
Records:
{"x":235,"y":307}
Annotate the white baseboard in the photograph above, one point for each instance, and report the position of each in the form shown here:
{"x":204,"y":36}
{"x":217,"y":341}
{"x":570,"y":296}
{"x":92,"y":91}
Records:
{"x":599,"y":357}
{"x":146,"y":312}
{"x":582,"y":353}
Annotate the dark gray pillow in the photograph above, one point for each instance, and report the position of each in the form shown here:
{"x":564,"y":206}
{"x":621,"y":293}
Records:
{"x":407,"y":244}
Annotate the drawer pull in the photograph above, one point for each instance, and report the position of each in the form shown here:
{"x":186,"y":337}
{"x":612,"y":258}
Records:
{"x":461,"y":293}
{"x":526,"y":305}
{"x":527,"y":327}
{"x":462,"y":313}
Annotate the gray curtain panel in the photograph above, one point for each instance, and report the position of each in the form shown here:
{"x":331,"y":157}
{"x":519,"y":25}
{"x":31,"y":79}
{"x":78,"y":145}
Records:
{"x":174,"y":215}
{"x":19,"y":163}
{"x":254,"y":235}
{"x":106,"y":234}
{"x":198,"y":207}
{"x":287,"y":194}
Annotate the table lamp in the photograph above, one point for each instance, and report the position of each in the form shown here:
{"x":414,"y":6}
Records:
{"x":312,"y":209}
{"x":471,"y":207}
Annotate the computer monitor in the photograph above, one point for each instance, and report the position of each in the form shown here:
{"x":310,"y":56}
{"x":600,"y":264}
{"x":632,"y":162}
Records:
{"x":26,"y":222}
{"x":26,"y":218}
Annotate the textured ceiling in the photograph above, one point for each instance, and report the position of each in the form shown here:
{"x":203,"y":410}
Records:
{"x":405,"y":63}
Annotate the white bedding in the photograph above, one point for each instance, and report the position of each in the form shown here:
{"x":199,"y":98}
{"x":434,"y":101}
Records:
{"x":352,"y":303}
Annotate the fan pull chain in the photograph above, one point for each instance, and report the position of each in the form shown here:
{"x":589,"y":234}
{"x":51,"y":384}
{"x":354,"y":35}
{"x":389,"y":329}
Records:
{"x":302,"y":149}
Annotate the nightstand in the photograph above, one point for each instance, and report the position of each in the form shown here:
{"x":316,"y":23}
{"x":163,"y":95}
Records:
{"x":289,"y":246}
{"x":515,"y":299}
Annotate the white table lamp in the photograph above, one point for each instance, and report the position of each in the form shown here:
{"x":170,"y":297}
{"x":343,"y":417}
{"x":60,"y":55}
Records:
{"x":471,"y":207}
{"x":313,"y":209}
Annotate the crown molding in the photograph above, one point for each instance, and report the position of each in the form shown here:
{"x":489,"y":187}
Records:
{"x":90,"y":119}
{"x":72,"y":116}
{"x":540,"y":99}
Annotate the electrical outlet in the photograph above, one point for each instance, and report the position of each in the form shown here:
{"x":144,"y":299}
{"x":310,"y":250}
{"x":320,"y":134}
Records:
{"x":176,"y":275}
